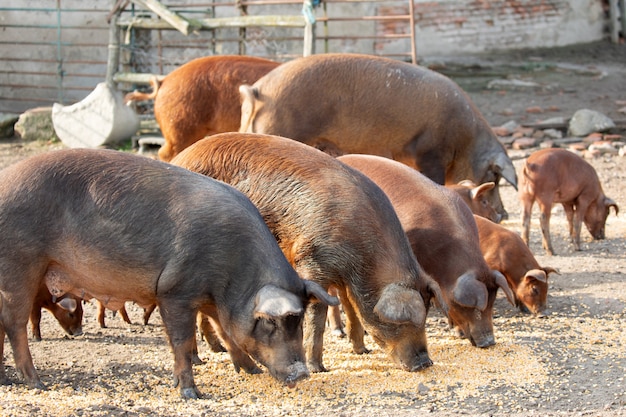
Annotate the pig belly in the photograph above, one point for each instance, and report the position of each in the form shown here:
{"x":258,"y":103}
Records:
{"x":111,"y":285}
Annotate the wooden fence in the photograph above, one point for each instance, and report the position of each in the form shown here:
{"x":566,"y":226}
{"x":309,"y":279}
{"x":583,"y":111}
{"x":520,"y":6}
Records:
{"x":58,"y":50}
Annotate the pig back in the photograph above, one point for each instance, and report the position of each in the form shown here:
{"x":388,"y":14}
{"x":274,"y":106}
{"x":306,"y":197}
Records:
{"x":121,"y":223}
{"x":347,"y":100}
{"x":307,"y":199}
{"x":440,"y":227}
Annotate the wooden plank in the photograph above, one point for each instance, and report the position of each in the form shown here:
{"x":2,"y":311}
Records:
{"x":222,"y":22}
{"x":176,"y":21}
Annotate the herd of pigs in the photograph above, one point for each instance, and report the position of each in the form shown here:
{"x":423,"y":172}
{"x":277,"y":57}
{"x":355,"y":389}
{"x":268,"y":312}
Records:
{"x":281,"y":191}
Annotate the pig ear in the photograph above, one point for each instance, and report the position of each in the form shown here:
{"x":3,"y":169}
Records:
{"x":536,"y":274}
{"x":610,"y":203}
{"x":399,"y":305}
{"x":506,"y":168}
{"x":548,"y":270}
{"x":470,"y":292}
{"x":68,"y":304}
{"x":435,"y":290}
{"x":313,"y":289}
{"x":248,"y":95}
{"x":501,"y":282}
{"x":275,"y":302}
{"x":482,"y":188}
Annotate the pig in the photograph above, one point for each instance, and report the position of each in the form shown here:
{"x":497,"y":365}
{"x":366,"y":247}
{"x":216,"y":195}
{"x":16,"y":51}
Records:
{"x":475,"y":196}
{"x":68,"y":311}
{"x":147,"y":312}
{"x":352,"y":103}
{"x":119,"y":227}
{"x":505,"y":251}
{"x":444,"y":238}
{"x":556,"y":175}
{"x":201,"y":98}
{"x":337,"y":229}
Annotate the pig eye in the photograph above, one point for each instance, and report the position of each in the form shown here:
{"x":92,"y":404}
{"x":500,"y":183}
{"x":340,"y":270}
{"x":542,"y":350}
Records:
{"x":535,"y":291}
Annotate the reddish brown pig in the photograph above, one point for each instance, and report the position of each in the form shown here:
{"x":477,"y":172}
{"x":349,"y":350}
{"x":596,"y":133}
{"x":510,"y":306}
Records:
{"x":338,"y":229}
{"x":444,"y":238}
{"x":552,"y":176}
{"x":201,"y":98}
{"x":147,"y":312}
{"x":476,"y":198}
{"x":505,"y":251}
{"x":68,"y":311}
{"x":120,"y":227}
{"x":350,"y":103}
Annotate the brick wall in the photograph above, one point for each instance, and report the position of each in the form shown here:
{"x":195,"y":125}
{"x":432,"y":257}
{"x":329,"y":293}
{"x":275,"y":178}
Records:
{"x":448,"y":27}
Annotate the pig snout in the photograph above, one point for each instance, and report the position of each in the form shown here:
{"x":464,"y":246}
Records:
{"x":76,"y":331}
{"x":421,"y":361}
{"x":484,"y":342}
{"x":295,"y":372}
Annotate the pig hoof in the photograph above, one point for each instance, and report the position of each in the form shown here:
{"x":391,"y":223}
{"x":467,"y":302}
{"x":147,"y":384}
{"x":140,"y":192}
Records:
{"x":37,"y":385}
{"x":190,"y":393}
{"x":316,"y":367}
{"x":195,"y":359}
{"x":339,"y":333}
{"x":422,"y":366}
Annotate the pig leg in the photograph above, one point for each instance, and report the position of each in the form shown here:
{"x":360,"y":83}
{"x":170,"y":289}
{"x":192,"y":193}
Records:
{"x":241,"y":360}
{"x":575,"y":222}
{"x":18,"y":336}
{"x":35,"y":323}
{"x":124,"y":315}
{"x":179,"y":324}
{"x":355,"y":329}
{"x":527,"y":210}
{"x":314,"y":325}
{"x":147,"y":312}
{"x":208,"y":333}
{"x":334,"y":317}
{"x":3,"y":377}
{"x":101,"y":314}
{"x":544,"y":221}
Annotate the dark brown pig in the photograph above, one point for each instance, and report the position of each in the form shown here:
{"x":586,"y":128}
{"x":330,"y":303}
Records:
{"x":337,"y":229}
{"x":444,"y":238}
{"x":552,"y":176}
{"x":201,"y":98}
{"x":120,"y":227}
{"x":505,"y":251}
{"x":68,"y":311}
{"x":350,"y":103}
{"x":475,"y":196}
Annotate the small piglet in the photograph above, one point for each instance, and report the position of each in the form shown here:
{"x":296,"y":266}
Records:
{"x":505,"y":251}
{"x":68,"y":311}
{"x":559,"y":176}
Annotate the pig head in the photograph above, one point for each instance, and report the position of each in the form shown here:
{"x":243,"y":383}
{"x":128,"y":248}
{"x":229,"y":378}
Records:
{"x":477,"y":199}
{"x":119,"y":227}
{"x":552,"y":176}
{"x":336,"y":228}
{"x":443,"y":236}
{"x":350,"y":103}
{"x":68,"y":311}
{"x":505,"y":251}
{"x":201,"y":98}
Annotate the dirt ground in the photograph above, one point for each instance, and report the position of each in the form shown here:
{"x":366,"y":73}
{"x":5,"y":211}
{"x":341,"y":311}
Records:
{"x":571,"y":362}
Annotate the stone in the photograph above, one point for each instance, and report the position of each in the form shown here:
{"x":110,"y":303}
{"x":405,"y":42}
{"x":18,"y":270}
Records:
{"x":7,"y":123}
{"x":99,"y":119}
{"x":524,"y":143}
{"x":36,"y":124}
{"x":586,"y":121}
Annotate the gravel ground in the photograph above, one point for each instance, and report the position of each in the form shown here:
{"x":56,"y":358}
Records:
{"x":570,"y":363}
